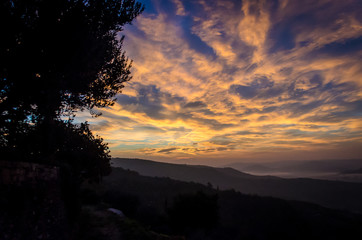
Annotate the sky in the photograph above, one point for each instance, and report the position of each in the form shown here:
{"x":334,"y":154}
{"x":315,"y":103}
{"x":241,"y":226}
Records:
{"x":216,"y":82}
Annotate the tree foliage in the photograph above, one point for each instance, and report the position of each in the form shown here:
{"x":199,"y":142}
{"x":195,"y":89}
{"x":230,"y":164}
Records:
{"x":62,"y":55}
{"x":57,"y":57}
{"x":74,"y":147}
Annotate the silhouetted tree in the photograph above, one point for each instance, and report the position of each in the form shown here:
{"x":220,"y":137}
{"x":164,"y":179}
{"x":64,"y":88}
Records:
{"x":57,"y":57}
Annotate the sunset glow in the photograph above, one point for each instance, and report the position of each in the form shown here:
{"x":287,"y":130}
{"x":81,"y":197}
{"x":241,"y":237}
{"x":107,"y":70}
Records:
{"x":223,"y":81}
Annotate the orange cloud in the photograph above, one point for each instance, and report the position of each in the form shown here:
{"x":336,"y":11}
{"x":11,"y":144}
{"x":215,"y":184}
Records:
{"x":234,"y":81}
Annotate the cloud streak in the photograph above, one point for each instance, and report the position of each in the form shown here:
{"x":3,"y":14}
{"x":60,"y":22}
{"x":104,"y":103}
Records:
{"x":257,"y":79}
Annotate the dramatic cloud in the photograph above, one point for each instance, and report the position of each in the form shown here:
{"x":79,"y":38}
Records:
{"x":238,"y":79}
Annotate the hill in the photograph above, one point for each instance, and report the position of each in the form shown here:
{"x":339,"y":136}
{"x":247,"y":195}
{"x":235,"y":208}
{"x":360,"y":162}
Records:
{"x":332,"y":194}
{"x":354,"y":171}
{"x":196,"y":211}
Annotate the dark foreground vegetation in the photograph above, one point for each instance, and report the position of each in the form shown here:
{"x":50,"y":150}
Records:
{"x":332,"y":194}
{"x":57,"y":57}
{"x":196,"y":211}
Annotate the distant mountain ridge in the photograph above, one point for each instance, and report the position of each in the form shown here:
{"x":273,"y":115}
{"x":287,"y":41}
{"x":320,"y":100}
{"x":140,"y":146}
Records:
{"x":322,"y":166}
{"x":347,"y":170}
{"x":354,"y":171}
{"x":333,"y":194}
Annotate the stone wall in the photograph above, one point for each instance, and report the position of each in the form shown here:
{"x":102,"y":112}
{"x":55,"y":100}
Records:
{"x":31,"y":204}
{"x":20,"y":173}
